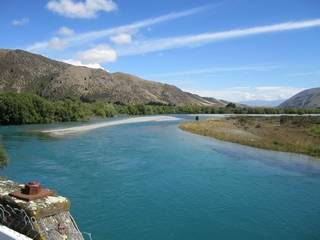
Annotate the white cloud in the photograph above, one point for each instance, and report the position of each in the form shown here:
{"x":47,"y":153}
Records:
{"x":20,"y":22}
{"x":99,"y":54}
{"x":239,"y":94}
{"x":86,"y":9}
{"x":54,"y":43}
{"x":79,"y":63}
{"x":57,"y":43}
{"x":65,"y":31}
{"x":122,"y":38}
{"x":94,"y":57}
{"x":142,"y":47}
{"x":79,"y":39}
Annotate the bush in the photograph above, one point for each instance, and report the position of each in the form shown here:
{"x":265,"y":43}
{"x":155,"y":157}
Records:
{"x":27,"y":108}
{"x":3,"y":157}
{"x":315,"y":130}
{"x":24,"y":108}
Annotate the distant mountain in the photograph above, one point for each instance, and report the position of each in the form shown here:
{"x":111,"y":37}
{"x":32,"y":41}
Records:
{"x":239,"y":105}
{"x":218,"y":101}
{"x":262,"y":103}
{"x":309,"y":98}
{"x":22,"y":71}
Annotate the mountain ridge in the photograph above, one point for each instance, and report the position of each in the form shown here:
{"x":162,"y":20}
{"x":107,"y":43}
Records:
{"x":25,"y":72}
{"x":309,"y":98}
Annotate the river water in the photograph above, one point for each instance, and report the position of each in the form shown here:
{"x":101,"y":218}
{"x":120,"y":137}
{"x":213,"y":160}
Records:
{"x":152,"y":180}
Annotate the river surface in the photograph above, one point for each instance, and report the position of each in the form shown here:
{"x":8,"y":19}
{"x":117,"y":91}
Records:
{"x":151,"y":180}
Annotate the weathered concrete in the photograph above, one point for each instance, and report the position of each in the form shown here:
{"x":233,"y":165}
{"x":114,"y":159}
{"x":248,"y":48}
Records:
{"x":47,"y":218}
{"x":9,"y":234}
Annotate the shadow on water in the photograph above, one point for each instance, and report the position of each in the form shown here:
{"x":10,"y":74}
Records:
{"x":33,"y":131}
{"x":22,"y":133}
{"x":21,"y":136}
{"x":287,"y":161}
{"x":298,"y":163}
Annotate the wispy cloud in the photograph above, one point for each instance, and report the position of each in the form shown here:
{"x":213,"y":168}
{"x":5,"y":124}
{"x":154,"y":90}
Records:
{"x":65,"y":31}
{"x":137,"y":25}
{"x":55,"y":43}
{"x":304,"y":74}
{"x":86,"y":9}
{"x":142,"y":47}
{"x":79,"y":39}
{"x":121,"y":38}
{"x":239,"y":94}
{"x":20,"y":22}
{"x":213,"y":70}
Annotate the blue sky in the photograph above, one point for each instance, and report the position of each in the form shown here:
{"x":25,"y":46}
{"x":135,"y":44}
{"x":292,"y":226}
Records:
{"x":232,"y":49}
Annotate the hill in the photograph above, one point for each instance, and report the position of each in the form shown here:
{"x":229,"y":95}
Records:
{"x":25,"y":72}
{"x":309,"y":98}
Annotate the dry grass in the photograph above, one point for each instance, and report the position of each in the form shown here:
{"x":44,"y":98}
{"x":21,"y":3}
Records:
{"x":275,"y":133}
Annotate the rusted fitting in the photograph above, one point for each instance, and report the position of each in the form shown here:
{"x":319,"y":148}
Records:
{"x":32,"y":188}
{"x":32,"y":191}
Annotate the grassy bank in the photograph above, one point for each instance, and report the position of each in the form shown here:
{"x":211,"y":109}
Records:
{"x":298,"y":134}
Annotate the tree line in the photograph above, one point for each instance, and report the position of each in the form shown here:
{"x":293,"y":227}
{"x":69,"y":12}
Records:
{"x":28,"y":108}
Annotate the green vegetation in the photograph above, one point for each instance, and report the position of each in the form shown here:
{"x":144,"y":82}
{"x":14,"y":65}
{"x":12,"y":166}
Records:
{"x":28,"y":108}
{"x":315,"y":130}
{"x":299,"y":134}
{"x":3,"y":157}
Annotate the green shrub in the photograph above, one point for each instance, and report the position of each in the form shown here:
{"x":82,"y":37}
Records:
{"x":3,"y":157}
{"x":28,"y":108}
{"x":315,"y":130}
{"x":275,"y":142}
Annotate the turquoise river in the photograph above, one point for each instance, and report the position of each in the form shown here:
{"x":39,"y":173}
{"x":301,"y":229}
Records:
{"x":153,"y":181}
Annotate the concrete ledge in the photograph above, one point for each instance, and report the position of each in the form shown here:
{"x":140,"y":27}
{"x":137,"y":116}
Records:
{"x":45,"y":218}
{"x":39,"y":208}
{"x":9,"y":234}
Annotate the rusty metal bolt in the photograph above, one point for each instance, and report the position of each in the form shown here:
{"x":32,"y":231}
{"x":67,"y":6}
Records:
{"x":32,"y":188}
{"x":62,"y":229}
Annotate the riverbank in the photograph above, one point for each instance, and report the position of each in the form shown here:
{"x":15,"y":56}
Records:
{"x":297,"y":134}
{"x":88,"y":127}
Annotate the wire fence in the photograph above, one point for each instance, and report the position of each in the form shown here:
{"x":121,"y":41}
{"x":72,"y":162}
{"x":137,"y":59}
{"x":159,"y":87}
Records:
{"x":54,"y":227}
